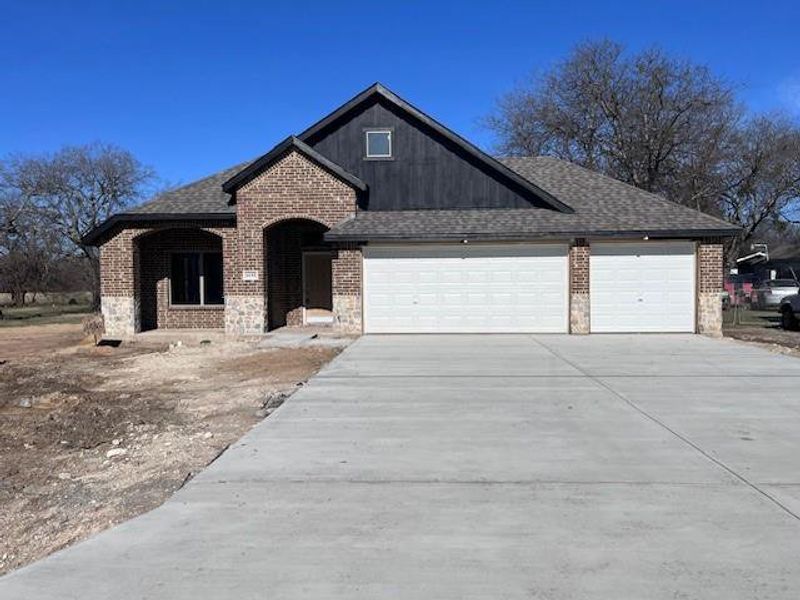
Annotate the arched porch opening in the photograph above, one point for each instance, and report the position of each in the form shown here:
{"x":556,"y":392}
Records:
{"x":298,"y":268}
{"x":180,"y":279}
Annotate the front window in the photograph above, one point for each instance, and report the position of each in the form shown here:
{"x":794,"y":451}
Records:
{"x":379,"y":143}
{"x":196,"y":279}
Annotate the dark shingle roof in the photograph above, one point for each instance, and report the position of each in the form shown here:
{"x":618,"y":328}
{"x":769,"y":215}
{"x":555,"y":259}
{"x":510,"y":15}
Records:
{"x":202,"y":199}
{"x":603,"y":206}
{"x":609,"y":201}
{"x":212,"y":194}
{"x":203,"y":196}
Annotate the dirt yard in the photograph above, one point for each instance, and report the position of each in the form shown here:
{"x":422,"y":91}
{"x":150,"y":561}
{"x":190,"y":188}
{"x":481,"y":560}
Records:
{"x":771,"y":338}
{"x":92,"y":436}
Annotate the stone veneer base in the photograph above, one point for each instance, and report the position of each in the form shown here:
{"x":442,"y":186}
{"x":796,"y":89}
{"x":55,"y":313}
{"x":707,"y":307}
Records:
{"x":709,"y":313}
{"x":244,"y":315}
{"x":579,"y":314}
{"x":120,"y":315}
{"x":348,"y":313}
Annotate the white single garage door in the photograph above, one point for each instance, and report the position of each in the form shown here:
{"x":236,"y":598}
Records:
{"x":642,"y":287}
{"x":466,"y":288}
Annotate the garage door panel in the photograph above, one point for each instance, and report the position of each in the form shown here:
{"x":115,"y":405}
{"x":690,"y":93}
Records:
{"x":456,"y":288}
{"x":642,"y":287}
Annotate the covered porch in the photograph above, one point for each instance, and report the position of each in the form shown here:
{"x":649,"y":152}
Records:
{"x":196,"y":276}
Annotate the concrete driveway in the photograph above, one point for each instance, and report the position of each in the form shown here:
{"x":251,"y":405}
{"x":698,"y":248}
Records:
{"x":432,"y":467}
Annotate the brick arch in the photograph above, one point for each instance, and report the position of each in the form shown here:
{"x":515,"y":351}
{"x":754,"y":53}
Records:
{"x":296,"y":217}
{"x":293,"y":188}
{"x":153,"y":250}
{"x":145,"y":233}
{"x":284,"y":243}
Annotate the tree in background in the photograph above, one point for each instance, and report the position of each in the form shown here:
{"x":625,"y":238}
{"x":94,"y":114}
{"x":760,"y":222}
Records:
{"x":72,"y":191}
{"x":664,"y":125}
{"x":762,"y":180}
{"x":28,"y":251}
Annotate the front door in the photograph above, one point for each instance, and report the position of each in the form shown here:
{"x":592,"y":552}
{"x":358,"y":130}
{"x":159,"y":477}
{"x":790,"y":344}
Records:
{"x":317,"y":280}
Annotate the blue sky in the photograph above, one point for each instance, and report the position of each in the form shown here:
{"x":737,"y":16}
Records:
{"x":193,"y":87}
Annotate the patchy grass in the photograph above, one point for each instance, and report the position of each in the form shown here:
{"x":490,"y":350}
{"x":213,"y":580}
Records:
{"x":43,"y":314}
{"x":738,"y":317}
{"x":761,"y":327}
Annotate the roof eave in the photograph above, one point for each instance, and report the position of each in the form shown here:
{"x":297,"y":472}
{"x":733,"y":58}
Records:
{"x":332,"y":236}
{"x":94,"y":235}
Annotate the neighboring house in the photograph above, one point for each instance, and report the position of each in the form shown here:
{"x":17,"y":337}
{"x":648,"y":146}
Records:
{"x":379,"y":219}
{"x":763,"y":264}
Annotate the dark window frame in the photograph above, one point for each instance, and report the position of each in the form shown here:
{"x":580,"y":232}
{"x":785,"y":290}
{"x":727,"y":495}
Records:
{"x":367,"y":132}
{"x":200,"y":280}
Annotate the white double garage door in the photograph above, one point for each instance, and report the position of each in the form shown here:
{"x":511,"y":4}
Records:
{"x":516,"y":288}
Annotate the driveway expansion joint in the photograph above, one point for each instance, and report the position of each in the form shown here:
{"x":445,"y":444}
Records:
{"x":597,"y":379}
{"x":498,"y":482}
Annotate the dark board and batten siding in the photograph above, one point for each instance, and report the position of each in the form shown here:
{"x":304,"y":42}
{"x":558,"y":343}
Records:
{"x":426,"y":170}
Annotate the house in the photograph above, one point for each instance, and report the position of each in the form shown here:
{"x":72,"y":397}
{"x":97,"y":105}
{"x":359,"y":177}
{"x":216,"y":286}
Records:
{"x":378,"y":218}
{"x":764,"y":264}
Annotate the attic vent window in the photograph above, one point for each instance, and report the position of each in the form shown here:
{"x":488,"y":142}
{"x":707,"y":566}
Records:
{"x":379,"y":143}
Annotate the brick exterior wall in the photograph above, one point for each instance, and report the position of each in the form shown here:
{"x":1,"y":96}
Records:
{"x":710,"y":267}
{"x":579,"y":301}
{"x":347,"y":271}
{"x":129,"y":267}
{"x":579,"y":268}
{"x":292,"y":188}
{"x":119,"y":253}
{"x":155,"y":252}
{"x":293,"y":196}
{"x":347,"y":282}
{"x":710,"y":257}
{"x":281,"y":211}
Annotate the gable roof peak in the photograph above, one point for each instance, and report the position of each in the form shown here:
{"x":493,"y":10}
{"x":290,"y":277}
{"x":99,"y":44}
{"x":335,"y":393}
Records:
{"x":430,"y":123}
{"x":290,"y":143}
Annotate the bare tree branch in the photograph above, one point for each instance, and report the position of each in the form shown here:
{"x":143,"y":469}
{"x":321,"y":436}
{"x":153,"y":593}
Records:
{"x":71,"y":192}
{"x":662,"y":124}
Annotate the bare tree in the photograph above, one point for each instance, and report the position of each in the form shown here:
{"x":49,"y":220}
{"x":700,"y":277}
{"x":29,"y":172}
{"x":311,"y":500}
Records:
{"x":27,"y":251}
{"x":76,"y":189}
{"x":762,"y":178}
{"x":665,"y":125}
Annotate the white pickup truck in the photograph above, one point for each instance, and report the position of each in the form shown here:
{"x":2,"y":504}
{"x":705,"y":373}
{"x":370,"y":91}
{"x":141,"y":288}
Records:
{"x":790,"y":312}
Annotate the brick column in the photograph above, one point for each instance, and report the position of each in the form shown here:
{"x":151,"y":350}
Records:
{"x":346,"y":277}
{"x":579,"y":301}
{"x":245,"y":301}
{"x":119,"y":298}
{"x":709,"y":288}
